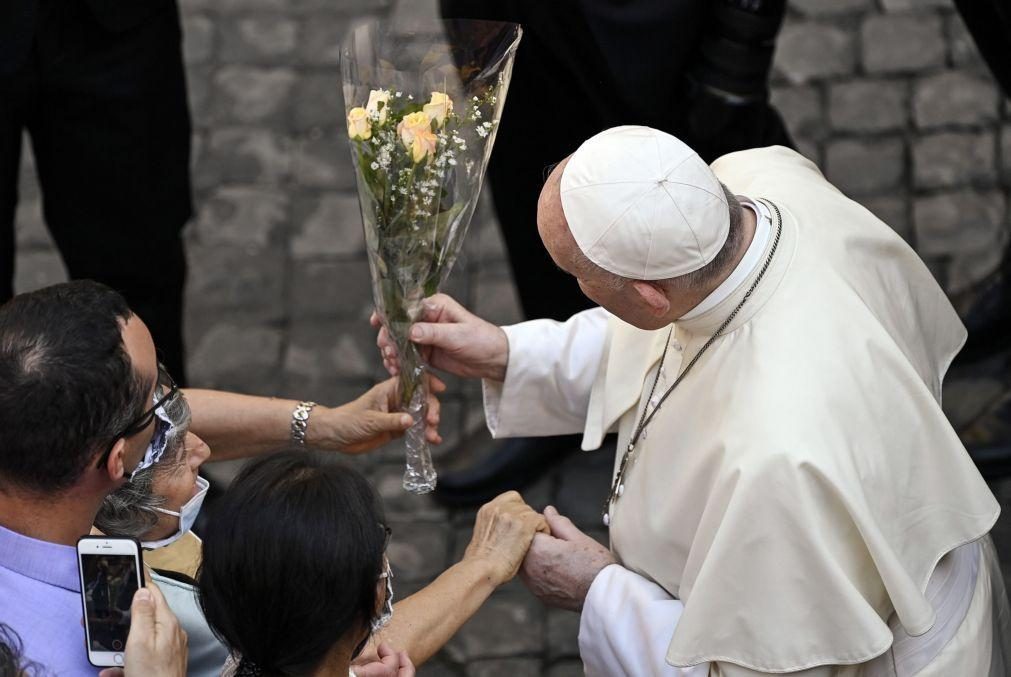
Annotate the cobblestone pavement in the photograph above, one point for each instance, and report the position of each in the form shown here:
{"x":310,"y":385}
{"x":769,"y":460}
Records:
{"x":888,"y":96}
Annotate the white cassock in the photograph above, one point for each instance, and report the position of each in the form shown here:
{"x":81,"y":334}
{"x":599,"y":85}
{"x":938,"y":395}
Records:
{"x":800,"y":503}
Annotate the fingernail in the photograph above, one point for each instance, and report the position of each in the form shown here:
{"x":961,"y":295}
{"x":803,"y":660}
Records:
{"x":416,"y":333}
{"x":406,"y":420}
{"x":143,"y":595}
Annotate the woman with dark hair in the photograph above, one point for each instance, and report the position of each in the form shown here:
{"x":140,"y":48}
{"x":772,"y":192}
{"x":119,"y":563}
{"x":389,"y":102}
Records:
{"x":295,"y":578}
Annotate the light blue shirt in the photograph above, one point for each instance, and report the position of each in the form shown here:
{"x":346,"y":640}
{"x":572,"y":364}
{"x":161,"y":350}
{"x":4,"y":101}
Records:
{"x":40,"y":599}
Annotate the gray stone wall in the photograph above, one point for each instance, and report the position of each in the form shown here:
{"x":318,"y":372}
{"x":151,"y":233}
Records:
{"x":888,"y":96}
{"x":895,"y":104}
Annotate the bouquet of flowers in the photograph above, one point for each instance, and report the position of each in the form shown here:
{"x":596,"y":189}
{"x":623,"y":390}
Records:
{"x":423,"y":110}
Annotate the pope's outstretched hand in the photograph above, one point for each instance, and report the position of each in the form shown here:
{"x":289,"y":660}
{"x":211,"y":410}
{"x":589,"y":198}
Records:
{"x":454,"y":340}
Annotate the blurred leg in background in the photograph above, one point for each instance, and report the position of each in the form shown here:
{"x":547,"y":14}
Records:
{"x":101,"y":90}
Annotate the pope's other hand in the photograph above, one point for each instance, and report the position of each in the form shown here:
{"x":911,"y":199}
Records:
{"x":502,"y":534}
{"x":559,"y":569}
{"x":453,"y":339}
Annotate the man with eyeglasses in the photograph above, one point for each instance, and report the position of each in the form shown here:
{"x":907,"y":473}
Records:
{"x":82,"y":402}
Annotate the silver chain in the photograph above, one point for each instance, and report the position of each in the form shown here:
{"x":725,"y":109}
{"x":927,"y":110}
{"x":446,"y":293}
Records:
{"x":647,"y":415}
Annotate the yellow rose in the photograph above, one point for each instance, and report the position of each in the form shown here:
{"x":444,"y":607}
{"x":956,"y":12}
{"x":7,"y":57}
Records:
{"x":359,"y":126}
{"x":438,"y":108}
{"x":377,"y":96}
{"x":416,"y":133}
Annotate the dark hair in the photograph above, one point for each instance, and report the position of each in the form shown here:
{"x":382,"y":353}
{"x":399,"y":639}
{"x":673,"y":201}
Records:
{"x":291,"y":562}
{"x":67,"y":386}
{"x":12,"y":660}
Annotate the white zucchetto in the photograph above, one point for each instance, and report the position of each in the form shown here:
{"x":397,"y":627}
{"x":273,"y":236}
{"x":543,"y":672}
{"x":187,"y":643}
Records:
{"x":643,"y":205}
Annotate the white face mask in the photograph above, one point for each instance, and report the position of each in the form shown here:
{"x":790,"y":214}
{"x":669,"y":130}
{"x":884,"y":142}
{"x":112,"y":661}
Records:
{"x":187,"y":516}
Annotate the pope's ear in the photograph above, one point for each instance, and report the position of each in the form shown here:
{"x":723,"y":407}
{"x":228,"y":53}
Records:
{"x":653,"y":296}
{"x":116,"y":465}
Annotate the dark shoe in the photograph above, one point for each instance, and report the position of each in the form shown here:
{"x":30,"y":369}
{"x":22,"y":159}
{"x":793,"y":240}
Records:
{"x":988,"y":440}
{"x":994,"y":462}
{"x":512,"y":464}
{"x":988,"y":319}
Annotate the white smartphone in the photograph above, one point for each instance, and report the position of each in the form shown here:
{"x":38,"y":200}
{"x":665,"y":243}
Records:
{"x":110,"y":570}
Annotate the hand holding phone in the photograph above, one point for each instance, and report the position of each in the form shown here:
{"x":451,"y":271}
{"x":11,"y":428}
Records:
{"x":157,"y":645}
{"x":111,"y":572}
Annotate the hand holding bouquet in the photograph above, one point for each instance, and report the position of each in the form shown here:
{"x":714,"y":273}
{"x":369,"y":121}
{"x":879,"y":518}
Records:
{"x":423,"y":109}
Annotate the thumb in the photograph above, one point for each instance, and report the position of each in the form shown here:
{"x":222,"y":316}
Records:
{"x":432,"y":334}
{"x":142,"y":613}
{"x":112,"y":672}
{"x":561,"y":526}
{"x":378,"y":422}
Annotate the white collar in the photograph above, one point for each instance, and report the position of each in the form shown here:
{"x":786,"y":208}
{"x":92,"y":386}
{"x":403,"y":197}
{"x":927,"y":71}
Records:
{"x":752,"y":257}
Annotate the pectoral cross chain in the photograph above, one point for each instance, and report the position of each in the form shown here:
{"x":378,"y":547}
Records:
{"x":618,"y":486}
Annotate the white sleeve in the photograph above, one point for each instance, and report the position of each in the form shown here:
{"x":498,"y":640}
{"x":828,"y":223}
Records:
{"x":626,"y":627}
{"x":551,"y":370}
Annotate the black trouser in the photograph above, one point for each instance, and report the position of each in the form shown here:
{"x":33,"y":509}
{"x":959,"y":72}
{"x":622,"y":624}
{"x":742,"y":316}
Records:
{"x":107,"y":115}
{"x":571,"y":79}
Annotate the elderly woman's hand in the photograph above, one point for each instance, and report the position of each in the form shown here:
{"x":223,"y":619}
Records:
{"x":504,"y":529}
{"x":372,"y":420}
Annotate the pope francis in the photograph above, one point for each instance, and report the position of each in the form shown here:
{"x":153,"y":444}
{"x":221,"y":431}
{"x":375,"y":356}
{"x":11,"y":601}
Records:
{"x":788,"y":496}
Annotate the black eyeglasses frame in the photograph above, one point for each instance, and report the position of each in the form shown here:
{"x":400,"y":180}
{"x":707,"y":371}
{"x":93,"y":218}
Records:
{"x":144,"y":419}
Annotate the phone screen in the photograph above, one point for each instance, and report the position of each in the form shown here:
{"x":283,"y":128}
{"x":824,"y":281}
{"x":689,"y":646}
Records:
{"x":109,"y":584}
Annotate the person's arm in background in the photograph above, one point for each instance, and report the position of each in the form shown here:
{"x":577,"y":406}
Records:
{"x":238,"y":426}
{"x":425,"y":621}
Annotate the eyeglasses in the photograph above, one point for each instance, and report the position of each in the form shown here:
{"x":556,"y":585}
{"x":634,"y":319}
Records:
{"x":388,"y":533}
{"x":164,"y":391}
{"x":387,"y":573}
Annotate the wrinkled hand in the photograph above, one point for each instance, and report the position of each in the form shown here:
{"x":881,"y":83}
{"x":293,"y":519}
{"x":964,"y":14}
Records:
{"x":502,"y":534}
{"x":390,"y":664}
{"x":156,"y":645}
{"x":560,"y":568}
{"x":453,"y":339}
{"x":372,"y":420}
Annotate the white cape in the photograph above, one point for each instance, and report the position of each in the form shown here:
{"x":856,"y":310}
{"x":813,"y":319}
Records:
{"x":802,"y":483}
